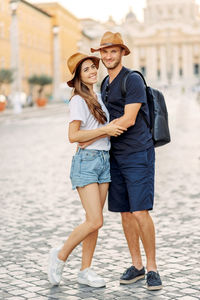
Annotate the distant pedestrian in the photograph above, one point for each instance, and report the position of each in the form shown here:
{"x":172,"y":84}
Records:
{"x":90,"y":169}
{"x":132,"y":160}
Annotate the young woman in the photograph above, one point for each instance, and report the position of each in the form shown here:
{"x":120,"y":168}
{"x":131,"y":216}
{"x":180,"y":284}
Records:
{"x":90,"y":168}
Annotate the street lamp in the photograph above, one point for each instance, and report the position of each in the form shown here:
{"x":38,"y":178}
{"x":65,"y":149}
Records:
{"x":15,"y":60}
{"x":13,"y":5}
{"x":56,"y":62}
{"x":56,"y":29}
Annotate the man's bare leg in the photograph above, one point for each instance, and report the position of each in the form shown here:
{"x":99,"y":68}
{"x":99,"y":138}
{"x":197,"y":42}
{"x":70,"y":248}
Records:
{"x":132,"y":234}
{"x":147,"y":234}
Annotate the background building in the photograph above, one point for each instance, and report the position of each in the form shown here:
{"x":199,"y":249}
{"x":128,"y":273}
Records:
{"x":37,"y":40}
{"x":28,"y":40}
{"x":165,"y":46}
{"x":69,"y":31}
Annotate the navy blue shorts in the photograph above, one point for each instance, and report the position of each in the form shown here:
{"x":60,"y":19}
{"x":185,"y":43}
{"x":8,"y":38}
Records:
{"x":132,"y":186}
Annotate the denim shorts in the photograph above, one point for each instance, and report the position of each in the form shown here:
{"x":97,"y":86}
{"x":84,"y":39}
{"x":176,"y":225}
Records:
{"x":89,"y":166}
{"x":132,"y":186}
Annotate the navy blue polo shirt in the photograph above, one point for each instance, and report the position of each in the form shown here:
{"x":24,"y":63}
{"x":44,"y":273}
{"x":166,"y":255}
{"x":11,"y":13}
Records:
{"x":138,"y":137}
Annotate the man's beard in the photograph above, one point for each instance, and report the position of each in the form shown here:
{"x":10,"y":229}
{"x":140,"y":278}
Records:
{"x":113,"y":66}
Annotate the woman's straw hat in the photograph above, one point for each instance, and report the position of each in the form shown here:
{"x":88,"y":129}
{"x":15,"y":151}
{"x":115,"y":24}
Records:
{"x":74,"y":61}
{"x":110,"y":39}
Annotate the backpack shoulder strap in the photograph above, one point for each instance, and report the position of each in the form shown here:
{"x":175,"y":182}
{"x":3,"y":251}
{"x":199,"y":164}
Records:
{"x":124,"y":80}
{"x":123,"y":90}
{"x":102,"y":83}
{"x":141,"y":75}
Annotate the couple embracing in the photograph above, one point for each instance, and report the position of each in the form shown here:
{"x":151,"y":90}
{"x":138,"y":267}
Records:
{"x":115,"y":155}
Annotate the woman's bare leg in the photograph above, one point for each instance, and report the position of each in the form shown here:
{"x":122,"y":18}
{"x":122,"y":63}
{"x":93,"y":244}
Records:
{"x":90,"y":198}
{"x":89,"y":243}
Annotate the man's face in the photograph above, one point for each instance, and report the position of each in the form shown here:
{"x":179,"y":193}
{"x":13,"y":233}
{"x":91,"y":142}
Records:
{"x":111,"y":56}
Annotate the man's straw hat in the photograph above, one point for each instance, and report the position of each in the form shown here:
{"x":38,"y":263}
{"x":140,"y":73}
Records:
{"x":110,"y":39}
{"x":74,"y":61}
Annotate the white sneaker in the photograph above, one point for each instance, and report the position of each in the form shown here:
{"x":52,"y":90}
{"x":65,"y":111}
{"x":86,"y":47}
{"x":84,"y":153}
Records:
{"x":55,"y":267}
{"x":89,"y":277}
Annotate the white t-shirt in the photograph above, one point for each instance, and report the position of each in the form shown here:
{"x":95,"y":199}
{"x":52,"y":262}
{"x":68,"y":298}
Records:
{"x":80,"y":111}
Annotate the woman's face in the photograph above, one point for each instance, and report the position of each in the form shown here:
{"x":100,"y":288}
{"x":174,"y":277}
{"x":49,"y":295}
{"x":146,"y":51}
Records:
{"x":88,"y":72}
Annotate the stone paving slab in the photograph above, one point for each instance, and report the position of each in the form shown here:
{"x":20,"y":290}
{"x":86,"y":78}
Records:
{"x":39,"y":210}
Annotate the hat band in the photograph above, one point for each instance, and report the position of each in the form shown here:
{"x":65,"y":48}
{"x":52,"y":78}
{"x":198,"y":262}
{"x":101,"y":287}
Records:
{"x":107,"y":44}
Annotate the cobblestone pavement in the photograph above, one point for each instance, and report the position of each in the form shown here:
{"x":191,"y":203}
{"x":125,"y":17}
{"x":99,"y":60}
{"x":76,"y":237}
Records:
{"x":39,"y":209}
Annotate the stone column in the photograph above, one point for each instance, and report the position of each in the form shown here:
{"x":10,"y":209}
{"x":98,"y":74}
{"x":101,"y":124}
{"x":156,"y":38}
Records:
{"x":185,"y":61}
{"x":188,"y":75}
{"x":154,"y":56}
{"x":56,"y":63}
{"x":175,"y":77}
{"x":163,"y":64}
{"x":136,"y":58}
{"x":191,"y":77}
{"x":151,"y":64}
{"x":15,"y":59}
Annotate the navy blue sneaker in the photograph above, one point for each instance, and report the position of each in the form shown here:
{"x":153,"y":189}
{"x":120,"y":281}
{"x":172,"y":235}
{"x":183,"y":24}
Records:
{"x":132,"y":275}
{"x":153,"y":281}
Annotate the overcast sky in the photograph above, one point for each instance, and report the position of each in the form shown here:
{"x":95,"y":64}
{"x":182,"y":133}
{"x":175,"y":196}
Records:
{"x":102,"y":9}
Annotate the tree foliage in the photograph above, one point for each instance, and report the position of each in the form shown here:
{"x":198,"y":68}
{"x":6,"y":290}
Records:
{"x":6,"y":76}
{"x":40,"y":80}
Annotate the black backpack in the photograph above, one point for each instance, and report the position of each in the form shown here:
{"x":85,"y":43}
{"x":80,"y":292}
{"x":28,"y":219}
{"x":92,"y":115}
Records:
{"x":157,"y":110}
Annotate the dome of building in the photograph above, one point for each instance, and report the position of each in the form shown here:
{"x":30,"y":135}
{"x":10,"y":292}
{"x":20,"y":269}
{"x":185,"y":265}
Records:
{"x":130,"y":16}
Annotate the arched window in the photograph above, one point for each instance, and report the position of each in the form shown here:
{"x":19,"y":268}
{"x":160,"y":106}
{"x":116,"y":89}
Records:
{"x":196,"y":69}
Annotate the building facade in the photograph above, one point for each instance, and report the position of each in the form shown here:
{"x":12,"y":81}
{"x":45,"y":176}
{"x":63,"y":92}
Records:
{"x":68,"y":31}
{"x":37,"y":40}
{"x":165,"y":47}
{"x":27,"y":40}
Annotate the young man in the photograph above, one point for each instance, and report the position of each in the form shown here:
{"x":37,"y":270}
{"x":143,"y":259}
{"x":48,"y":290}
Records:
{"x":132,"y":160}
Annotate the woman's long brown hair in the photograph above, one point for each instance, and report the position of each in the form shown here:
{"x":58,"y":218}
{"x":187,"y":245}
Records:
{"x":82,"y":90}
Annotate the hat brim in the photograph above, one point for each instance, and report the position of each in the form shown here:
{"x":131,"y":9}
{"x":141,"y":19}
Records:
{"x":95,"y":59}
{"x":127,"y":51}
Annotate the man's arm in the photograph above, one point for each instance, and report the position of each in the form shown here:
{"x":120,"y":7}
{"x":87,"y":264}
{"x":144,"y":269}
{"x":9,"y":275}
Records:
{"x":129,"y":116}
{"x":127,"y":120}
{"x":85,"y":144}
{"x":77,"y":135}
